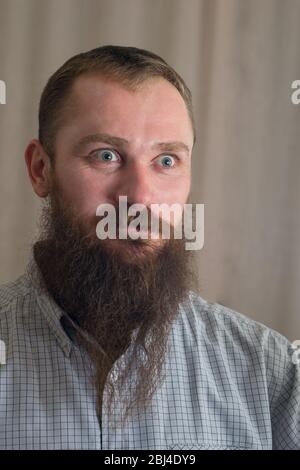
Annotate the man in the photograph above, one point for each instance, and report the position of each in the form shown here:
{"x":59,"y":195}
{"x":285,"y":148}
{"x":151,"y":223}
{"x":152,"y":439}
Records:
{"x":108,"y":344}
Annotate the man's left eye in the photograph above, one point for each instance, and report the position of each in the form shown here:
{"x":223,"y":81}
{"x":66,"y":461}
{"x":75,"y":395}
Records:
{"x":168,"y":161}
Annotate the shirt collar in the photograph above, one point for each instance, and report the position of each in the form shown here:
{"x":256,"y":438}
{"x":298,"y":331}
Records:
{"x":49,"y":308}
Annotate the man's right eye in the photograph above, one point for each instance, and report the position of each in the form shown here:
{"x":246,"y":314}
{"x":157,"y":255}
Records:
{"x":104,"y":155}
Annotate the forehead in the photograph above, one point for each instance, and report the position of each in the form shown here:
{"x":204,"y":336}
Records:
{"x":154,"y":109}
{"x":102,"y":91}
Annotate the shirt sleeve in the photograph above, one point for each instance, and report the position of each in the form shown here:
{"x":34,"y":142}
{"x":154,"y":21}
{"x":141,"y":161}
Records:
{"x":283,"y":374}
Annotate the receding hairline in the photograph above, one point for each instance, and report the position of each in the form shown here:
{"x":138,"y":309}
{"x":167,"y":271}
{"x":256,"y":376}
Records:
{"x":132,"y":86}
{"x":69,"y":102}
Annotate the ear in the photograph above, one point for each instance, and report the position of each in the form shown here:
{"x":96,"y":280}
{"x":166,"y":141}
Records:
{"x":38,"y":167}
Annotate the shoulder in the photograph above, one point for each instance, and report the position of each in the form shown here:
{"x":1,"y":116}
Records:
{"x":11,"y":293}
{"x":231,"y":330}
{"x":218,"y":315}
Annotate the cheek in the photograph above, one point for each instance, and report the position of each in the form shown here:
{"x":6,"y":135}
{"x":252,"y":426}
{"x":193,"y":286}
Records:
{"x":177,"y":191}
{"x":173,"y":193}
{"x":82,"y":191}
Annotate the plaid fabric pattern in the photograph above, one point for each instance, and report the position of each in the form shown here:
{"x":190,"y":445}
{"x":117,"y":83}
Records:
{"x":230,"y":382}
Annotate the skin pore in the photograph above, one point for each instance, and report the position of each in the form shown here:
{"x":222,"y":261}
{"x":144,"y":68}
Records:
{"x":115,"y":142}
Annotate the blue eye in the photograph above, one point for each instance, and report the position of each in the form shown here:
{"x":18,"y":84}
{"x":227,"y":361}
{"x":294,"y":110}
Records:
{"x":105,"y":155}
{"x":168,"y":161}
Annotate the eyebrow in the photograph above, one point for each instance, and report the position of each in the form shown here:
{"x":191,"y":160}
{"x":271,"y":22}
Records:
{"x":121,"y":142}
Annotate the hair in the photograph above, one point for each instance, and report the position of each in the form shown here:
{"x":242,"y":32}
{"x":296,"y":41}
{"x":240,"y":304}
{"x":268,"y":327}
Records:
{"x":130,"y":66}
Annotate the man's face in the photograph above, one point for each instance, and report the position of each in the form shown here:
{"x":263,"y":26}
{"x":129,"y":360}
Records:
{"x":87,"y":175}
{"x":114,"y":287}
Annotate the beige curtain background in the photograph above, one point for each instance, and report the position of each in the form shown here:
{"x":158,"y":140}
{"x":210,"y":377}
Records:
{"x":239,"y":57}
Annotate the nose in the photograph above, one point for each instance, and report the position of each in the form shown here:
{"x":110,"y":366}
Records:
{"x":135,"y":183}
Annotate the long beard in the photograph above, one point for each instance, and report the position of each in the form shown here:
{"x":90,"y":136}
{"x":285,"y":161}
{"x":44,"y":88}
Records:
{"x":117,"y":303}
